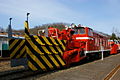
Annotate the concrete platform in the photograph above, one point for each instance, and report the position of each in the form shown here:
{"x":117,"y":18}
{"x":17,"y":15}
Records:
{"x":96,"y":70}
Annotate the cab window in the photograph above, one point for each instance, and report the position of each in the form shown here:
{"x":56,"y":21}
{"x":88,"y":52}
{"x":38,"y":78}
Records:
{"x":80,"y":31}
{"x":90,"y":32}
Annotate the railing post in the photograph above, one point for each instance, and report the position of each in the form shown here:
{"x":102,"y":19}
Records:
{"x":102,"y":50}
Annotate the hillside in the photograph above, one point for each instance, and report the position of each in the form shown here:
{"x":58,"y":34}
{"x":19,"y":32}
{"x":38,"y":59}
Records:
{"x":34,"y":30}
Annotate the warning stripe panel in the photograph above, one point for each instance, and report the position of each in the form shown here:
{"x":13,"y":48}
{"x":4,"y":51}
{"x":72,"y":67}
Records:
{"x":43,"y":53}
{"x":17,"y":48}
{"x":49,"y":54}
{"x":37,"y":54}
{"x":39,"y":63}
{"x":32,"y":66}
{"x":60,"y":59}
{"x":47,"y":62}
{"x":48,"y":57}
{"x":12,"y":43}
{"x":21,"y":52}
{"x":53,"y":41}
{"x":60,"y":42}
{"x":38,"y":40}
{"x":46,"y":40}
{"x":31,"y":43}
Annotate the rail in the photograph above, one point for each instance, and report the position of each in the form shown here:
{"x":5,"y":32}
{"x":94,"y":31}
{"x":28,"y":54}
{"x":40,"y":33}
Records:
{"x":112,"y":73}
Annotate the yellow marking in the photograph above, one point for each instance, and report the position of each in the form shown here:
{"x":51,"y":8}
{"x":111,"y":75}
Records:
{"x":38,"y":40}
{"x":25,"y":55}
{"x":26,"y":36}
{"x":53,"y":50}
{"x":65,"y":41}
{"x":111,"y":74}
{"x":25,"y":51}
{"x":26,"y":26}
{"x":34,"y":46}
{"x":59,"y":58}
{"x":46,"y":40}
{"x":59,"y":41}
{"x":58,"y":48}
{"x":21,"y":52}
{"x":61,"y":44}
{"x":13,"y":43}
{"x":46,"y":50}
{"x":46,"y":61}
{"x":54,"y":61}
{"x":53,"y":40}
{"x":32,"y":66}
{"x":16,"y":49}
{"x":36,"y":59}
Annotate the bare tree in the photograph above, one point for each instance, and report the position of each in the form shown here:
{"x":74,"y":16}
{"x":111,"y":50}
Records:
{"x":2,"y":29}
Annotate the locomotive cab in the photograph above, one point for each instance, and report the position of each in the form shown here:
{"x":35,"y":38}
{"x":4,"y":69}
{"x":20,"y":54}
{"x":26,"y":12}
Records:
{"x":83,"y":33}
{"x":80,"y":30}
{"x":81,"y":36}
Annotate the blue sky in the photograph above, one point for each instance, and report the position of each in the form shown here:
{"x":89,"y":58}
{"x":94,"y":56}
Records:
{"x":100,"y":15}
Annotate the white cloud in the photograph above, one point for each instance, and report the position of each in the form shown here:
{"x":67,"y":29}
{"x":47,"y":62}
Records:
{"x":98,"y":16}
{"x":41,"y":10}
{"x":48,"y":9}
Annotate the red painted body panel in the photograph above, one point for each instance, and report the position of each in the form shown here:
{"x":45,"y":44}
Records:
{"x":81,"y":39}
{"x":114,"y":49}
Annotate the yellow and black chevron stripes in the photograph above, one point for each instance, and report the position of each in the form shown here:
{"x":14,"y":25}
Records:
{"x":49,"y":54}
{"x":43,"y":53}
{"x":54,"y":44}
{"x":35,"y":59}
{"x":44,"y":62}
{"x":27,"y":31}
{"x":17,"y":48}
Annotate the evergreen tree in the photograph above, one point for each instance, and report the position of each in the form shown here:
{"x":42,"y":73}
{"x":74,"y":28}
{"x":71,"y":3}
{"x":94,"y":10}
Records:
{"x":113,"y":37}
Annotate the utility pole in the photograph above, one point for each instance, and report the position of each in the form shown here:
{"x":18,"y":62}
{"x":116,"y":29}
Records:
{"x":27,"y":16}
{"x":27,"y":22}
{"x":9,"y":29}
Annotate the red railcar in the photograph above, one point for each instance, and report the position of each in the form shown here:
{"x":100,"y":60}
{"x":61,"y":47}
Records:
{"x":82,"y":42}
{"x":95,"y":42}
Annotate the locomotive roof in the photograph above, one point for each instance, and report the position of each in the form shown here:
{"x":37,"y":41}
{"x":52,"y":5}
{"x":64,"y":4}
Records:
{"x":101,"y":33}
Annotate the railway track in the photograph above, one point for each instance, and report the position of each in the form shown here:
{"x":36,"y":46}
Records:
{"x":19,"y":74}
{"x":4,"y":59}
{"x":112,"y":73}
{"x":8,"y":75}
{"x":23,"y":74}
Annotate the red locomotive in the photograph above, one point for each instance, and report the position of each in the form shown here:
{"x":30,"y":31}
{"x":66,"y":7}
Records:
{"x":115,"y":46}
{"x":82,"y":42}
